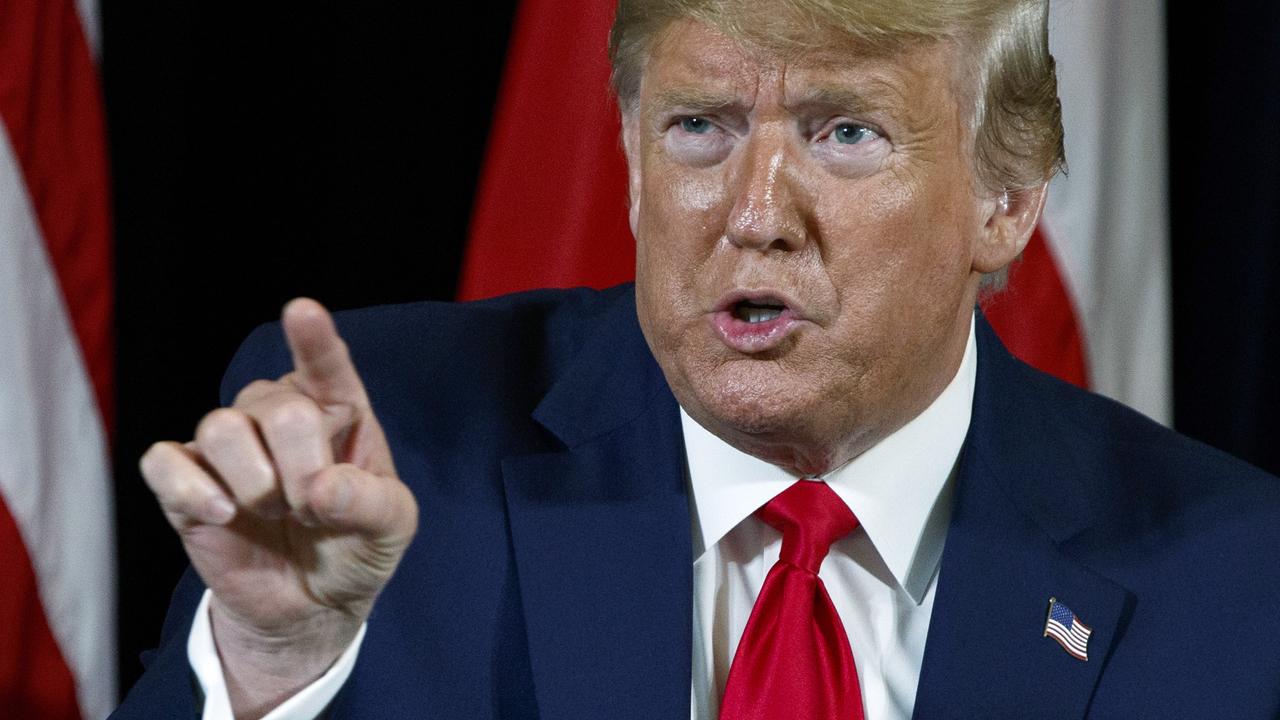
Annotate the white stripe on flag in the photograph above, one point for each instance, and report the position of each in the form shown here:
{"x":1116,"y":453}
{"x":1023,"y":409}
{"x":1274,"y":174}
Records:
{"x":54,"y":472}
{"x":1068,"y":637}
{"x":1107,"y":220}
{"x":1060,"y":634}
{"x":91,"y":24}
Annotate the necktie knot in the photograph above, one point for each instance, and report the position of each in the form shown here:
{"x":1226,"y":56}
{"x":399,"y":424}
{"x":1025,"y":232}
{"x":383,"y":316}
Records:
{"x":794,"y":659}
{"x":810,"y":517}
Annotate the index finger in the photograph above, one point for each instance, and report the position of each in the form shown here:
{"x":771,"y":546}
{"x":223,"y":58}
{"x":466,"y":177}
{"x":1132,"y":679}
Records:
{"x":322,"y":365}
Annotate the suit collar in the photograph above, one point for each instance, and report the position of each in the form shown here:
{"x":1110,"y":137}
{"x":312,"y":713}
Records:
{"x":1016,"y":421}
{"x":1019,"y":496}
{"x":600,"y":534}
{"x":609,"y":381}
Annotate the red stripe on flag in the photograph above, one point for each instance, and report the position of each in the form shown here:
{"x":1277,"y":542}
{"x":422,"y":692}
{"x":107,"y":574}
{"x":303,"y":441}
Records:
{"x":1035,"y":317}
{"x":551,"y":208}
{"x":34,"y":680}
{"x":52,"y":107}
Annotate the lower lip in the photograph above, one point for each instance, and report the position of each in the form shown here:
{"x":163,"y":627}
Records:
{"x":748,"y":337}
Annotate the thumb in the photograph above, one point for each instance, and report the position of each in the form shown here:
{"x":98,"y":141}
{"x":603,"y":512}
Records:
{"x":382,"y":509}
{"x":322,"y":364}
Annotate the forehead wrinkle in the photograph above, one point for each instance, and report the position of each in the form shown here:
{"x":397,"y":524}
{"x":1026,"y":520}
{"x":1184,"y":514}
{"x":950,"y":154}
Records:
{"x":716,"y":58}
{"x":717,"y":72}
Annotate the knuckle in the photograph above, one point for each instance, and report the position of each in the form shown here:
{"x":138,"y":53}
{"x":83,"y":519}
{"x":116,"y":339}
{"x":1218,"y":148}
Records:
{"x":252,"y":481}
{"x":292,"y":415}
{"x":221,"y":425}
{"x":255,"y":390}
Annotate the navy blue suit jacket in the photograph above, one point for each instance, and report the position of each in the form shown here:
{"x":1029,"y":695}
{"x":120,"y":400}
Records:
{"x":551,"y":575}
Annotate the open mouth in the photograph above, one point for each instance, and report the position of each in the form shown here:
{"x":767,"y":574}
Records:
{"x":758,"y":311}
{"x":753,"y":322}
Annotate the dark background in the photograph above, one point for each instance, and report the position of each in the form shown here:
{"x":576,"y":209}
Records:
{"x":266,"y":151}
{"x":262,"y":152}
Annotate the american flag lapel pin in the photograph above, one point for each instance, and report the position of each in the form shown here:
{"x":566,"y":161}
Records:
{"x":1062,"y":625}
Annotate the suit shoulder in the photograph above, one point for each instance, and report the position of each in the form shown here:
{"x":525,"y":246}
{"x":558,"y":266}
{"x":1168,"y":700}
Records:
{"x":519,"y":322}
{"x":1119,"y":434}
{"x":528,"y":333}
{"x":1143,"y":481}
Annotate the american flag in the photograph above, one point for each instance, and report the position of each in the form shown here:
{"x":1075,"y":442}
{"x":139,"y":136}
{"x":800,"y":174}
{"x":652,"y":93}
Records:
{"x":1063,"y":625}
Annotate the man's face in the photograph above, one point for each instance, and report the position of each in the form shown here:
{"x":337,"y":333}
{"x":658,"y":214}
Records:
{"x":809,"y":239}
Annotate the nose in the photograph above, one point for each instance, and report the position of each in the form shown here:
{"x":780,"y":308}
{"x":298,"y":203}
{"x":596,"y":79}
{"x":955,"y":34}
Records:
{"x":765,"y":215}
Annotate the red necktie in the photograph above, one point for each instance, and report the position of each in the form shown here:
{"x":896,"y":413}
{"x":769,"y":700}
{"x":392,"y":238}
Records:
{"x":794,"y":661}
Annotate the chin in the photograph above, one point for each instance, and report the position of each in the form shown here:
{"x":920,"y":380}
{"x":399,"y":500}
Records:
{"x":761,"y":411}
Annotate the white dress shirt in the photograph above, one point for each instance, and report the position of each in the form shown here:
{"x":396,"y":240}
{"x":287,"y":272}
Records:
{"x":881,"y":578}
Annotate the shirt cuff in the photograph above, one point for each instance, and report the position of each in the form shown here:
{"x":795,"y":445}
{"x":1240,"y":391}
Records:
{"x":306,"y":705}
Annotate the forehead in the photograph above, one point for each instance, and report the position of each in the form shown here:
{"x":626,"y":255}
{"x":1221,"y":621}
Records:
{"x":693,"y":64}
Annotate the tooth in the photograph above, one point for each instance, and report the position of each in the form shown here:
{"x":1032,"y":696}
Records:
{"x":758,"y":315}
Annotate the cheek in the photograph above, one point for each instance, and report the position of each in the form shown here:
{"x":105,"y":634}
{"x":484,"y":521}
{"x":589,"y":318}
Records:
{"x":699,"y":195}
{"x":679,"y":219}
{"x":682,"y":202}
{"x":896,"y":227}
{"x":896,"y":254}
{"x":866,"y":231}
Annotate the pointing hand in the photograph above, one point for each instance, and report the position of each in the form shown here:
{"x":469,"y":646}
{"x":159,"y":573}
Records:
{"x":291,"y":511}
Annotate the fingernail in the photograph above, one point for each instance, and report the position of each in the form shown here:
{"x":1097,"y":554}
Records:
{"x":220,"y":510}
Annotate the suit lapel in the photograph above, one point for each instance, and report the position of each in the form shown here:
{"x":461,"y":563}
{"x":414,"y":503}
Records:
{"x":1019,"y":499}
{"x":600,"y":531}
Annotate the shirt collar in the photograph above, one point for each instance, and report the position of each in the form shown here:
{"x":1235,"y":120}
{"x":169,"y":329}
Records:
{"x":899,"y":489}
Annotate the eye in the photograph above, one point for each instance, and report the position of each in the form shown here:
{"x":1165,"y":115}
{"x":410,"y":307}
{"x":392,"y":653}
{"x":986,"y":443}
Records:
{"x":695,"y":125}
{"x":697,"y":140}
{"x":852,"y":134}
{"x":850,"y":148}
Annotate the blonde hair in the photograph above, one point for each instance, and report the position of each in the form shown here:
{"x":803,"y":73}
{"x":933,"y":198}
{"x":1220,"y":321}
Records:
{"x":1016,"y":116}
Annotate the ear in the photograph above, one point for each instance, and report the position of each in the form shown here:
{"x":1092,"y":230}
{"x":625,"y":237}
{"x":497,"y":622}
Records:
{"x":631,"y":148}
{"x":1011,"y":217}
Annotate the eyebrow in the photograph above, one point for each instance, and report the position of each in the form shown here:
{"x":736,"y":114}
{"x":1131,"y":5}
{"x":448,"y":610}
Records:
{"x":693,"y":99}
{"x":842,"y":98}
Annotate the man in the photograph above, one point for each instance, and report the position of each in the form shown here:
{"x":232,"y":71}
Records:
{"x":606,"y":504}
